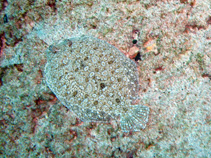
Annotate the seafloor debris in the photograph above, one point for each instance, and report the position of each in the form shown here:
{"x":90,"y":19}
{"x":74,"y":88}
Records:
{"x":96,"y":81}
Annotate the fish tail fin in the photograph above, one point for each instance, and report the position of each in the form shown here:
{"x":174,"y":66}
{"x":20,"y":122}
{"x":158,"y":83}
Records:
{"x":135,"y":119}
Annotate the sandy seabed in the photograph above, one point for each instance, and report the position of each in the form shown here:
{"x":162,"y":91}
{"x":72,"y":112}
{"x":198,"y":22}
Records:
{"x":174,"y":40}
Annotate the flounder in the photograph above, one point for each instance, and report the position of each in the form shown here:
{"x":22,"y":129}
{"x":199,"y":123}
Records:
{"x":96,"y":81}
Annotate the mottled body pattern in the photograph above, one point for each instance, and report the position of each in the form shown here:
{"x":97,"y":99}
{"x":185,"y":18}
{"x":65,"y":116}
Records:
{"x":96,"y":81}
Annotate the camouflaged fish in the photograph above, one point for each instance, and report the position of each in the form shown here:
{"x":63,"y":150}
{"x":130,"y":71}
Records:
{"x":96,"y":81}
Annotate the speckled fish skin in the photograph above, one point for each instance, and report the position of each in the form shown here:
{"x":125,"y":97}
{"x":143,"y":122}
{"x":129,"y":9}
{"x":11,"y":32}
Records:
{"x":96,"y":81}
